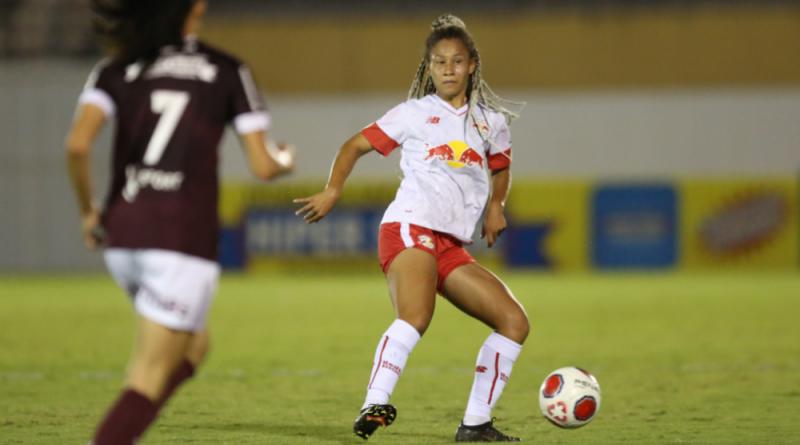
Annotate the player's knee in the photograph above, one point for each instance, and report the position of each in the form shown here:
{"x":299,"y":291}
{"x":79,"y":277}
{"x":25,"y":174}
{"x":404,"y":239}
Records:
{"x":198,"y":349}
{"x":515,"y":326}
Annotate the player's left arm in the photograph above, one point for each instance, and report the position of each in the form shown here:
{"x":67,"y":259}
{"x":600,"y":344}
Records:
{"x":494,"y":222}
{"x":88,"y":122}
{"x":267,"y":160}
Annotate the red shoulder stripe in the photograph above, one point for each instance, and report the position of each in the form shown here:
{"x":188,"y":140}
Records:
{"x":380,"y":140}
{"x":499,"y":161}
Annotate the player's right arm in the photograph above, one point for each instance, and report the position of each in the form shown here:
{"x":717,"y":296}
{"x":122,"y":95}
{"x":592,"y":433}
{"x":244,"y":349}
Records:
{"x":319,"y":205}
{"x":88,"y":122}
{"x":251,"y":119}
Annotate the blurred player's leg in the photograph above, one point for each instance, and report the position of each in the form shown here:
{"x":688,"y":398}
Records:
{"x":158,"y":351}
{"x":480,"y":294}
{"x":194,"y":357}
{"x":171,"y":293}
{"x":412,"y":285}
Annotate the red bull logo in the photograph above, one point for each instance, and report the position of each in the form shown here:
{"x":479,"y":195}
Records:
{"x":471,"y":157}
{"x":443,"y":152}
{"x":457,"y":154}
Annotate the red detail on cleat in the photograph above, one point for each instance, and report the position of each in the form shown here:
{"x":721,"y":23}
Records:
{"x":380,"y":420}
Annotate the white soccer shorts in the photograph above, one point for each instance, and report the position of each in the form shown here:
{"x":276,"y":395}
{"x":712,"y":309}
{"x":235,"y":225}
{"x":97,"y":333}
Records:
{"x":170,"y":288}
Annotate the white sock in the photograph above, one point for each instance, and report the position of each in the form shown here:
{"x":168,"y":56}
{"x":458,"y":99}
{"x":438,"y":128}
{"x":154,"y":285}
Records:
{"x":492,"y":370}
{"x":390,"y":358}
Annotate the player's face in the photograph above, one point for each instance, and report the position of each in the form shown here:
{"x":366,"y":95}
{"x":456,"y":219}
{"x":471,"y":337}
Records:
{"x":450,"y":69}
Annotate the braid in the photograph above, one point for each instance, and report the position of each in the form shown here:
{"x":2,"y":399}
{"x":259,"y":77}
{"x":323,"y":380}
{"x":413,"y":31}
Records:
{"x":415,"y":92}
{"x":478,"y":91}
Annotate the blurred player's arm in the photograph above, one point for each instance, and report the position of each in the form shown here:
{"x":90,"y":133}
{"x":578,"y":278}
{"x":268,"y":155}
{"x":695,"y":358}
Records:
{"x":267,"y":160}
{"x":320,"y":204}
{"x":494,"y":222}
{"x":88,"y":122}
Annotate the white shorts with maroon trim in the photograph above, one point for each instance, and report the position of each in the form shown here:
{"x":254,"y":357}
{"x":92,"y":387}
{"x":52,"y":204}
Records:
{"x":449,"y":252}
{"x":170,"y":288}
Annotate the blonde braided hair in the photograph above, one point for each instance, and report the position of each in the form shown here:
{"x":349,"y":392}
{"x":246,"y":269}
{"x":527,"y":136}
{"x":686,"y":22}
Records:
{"x":478,"y":91}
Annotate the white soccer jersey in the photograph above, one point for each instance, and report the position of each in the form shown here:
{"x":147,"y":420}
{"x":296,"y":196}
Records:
{"x":444,"y":162}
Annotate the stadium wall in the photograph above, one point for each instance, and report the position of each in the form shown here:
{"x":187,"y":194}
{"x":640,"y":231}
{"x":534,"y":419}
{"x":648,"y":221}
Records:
{"x":755,"y":44}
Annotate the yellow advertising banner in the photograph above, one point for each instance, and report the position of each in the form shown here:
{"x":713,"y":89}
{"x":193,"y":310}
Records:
{"x":740,"y":224}
{"x":559,"y":211}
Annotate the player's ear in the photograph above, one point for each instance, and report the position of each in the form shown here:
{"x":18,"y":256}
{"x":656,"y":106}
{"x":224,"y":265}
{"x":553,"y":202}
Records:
{"x":473,"y":65}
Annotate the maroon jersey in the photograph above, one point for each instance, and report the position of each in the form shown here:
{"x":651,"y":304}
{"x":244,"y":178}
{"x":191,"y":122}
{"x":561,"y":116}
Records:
{"x":170,"y":116}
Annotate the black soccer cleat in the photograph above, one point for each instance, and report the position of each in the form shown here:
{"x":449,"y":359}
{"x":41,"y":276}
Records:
{"x":371,"y":418}
{"x":485,"y":432}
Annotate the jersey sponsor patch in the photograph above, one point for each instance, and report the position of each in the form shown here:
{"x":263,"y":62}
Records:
{"x":137,"y":179}
{"x":178,"y":66}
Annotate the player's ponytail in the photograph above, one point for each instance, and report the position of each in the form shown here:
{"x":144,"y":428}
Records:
{"x":448,"y":26}
{"x":136,"y":30}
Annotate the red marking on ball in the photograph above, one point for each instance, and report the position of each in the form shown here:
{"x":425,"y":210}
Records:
{"x":553,"y":386}
{"x":585,"y":408}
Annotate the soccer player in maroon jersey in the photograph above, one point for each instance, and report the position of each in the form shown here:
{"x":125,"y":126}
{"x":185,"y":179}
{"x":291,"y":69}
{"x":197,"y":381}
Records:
{"x":170,"y":97}
{"x":450,"y":131}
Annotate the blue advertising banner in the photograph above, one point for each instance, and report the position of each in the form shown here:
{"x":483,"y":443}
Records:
{"x":345,"y":231}
{"x":634,"y":226}
{"x":524,"y":245}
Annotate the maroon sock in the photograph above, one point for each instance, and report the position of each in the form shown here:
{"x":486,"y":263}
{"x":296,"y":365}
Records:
{"x":184,"y":372}
{"x":126,"y":420}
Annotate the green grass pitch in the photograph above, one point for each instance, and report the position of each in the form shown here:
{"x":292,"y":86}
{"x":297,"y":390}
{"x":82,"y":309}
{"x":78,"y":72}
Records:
{"x":681,"y":359}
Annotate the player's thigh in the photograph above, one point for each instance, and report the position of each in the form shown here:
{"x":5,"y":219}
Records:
{"x":176,"y":290}
{"x":479,"y":293}
{"x":412,"y":285}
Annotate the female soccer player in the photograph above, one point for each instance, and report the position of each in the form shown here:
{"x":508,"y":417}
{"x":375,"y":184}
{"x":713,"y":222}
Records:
{"x":451,"y":128}
{"x":171,"y":97}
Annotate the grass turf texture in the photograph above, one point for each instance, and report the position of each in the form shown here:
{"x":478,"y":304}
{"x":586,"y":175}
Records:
{"x":680,"y":359}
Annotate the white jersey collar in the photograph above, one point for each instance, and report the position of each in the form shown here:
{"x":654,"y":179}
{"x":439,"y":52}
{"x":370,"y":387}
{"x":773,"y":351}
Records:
{"x":450,"y":108}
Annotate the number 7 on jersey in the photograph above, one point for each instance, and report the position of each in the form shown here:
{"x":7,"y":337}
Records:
{"x":170,"y":105}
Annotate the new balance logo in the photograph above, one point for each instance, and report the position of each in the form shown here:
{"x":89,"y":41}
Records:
{"x":432,"y":120}
{"x":503,"y":377}
{"x":480,"y":369}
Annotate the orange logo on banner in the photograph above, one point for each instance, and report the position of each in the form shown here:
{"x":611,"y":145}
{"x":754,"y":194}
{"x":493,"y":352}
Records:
{"x":744,"y":224}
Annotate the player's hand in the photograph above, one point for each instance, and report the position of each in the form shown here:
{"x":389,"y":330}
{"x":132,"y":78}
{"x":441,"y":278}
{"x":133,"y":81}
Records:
{"x":494,"y":223}
{"x":283,"y":153}
{"x":93,"y":234}
{"x":317,"y":206}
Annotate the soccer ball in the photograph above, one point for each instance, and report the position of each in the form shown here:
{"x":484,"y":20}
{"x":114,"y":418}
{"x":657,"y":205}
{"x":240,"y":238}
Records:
{"x":569,"y":397}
